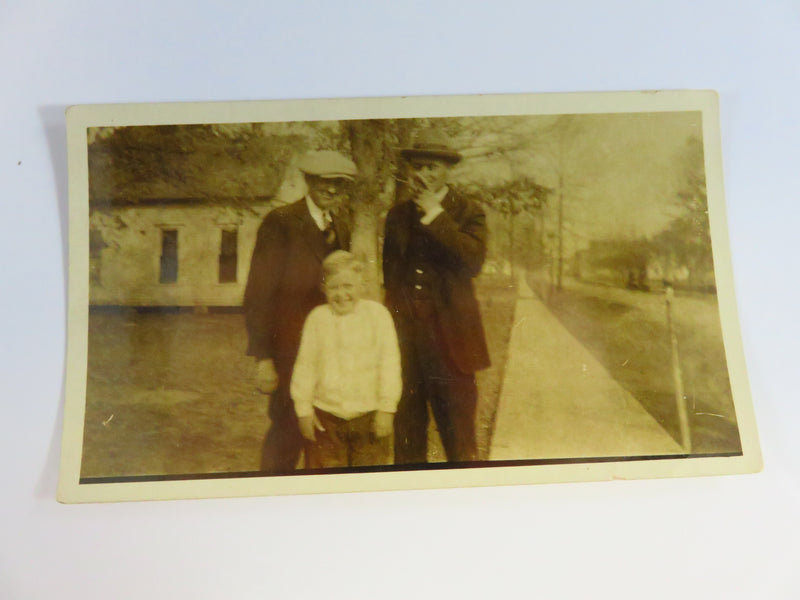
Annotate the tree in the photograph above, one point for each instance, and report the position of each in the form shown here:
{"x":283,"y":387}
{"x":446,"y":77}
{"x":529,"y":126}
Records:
{"x":687,"y":239}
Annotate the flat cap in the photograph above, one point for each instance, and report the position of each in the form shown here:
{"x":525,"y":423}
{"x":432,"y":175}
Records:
{"x":327,"y":164}
{"x":432,"y":145}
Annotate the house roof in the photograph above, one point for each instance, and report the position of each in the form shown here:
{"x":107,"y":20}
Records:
{"x":156,"y":165}
{"x":128,"y":202}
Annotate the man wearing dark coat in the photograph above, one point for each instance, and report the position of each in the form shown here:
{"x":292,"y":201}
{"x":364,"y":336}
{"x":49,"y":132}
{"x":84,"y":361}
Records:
{"x":434,"y":245}
{"x":284,"y":285}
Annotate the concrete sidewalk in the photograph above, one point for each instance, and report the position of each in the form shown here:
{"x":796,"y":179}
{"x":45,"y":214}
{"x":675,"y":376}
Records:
{"x":558,"y":401}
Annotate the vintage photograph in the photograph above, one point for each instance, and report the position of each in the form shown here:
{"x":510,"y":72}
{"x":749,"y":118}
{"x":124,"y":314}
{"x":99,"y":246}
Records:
{"x":398,"y":293}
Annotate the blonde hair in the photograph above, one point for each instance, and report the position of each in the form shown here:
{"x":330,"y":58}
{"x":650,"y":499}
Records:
{"x":338,"y":261}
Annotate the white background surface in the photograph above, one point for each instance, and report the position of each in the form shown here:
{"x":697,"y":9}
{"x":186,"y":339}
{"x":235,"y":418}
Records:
{"x":724,"y":537}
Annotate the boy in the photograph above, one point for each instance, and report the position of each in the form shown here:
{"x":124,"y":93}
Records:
{"x":346,"y":381}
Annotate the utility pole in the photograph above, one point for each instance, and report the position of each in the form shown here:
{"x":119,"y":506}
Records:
{"x":560,"y":231}
{"x":511,"y":215}
{"x":677,"y":376}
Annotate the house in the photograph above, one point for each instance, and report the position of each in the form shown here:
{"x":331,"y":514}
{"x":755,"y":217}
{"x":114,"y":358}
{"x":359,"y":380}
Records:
{"x":171,"y":252}
{"x":174,"y":209}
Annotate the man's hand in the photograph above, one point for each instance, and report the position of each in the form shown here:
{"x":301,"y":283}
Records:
{"x":382,"y":425}
{"x":266,"y":376}
{"x":428,"y":200}
{"x":309,"y":426}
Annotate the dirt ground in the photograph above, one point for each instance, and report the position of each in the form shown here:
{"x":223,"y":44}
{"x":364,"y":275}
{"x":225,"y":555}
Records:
{"x":173,"y":393}
{"x":627,"y":331}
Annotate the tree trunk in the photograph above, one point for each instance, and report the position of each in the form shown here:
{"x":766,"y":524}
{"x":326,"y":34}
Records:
{"x":372,"y":153}
{"x":364,"y":244}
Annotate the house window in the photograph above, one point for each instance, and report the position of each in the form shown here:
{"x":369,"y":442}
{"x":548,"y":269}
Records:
{"x":228,"y":255}
{"x":96,"y":245}
{"x":169,"y":256}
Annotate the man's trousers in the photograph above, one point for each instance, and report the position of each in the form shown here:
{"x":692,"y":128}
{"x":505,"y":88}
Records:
{"x":430,"y":379}
{"x":283,"y":442}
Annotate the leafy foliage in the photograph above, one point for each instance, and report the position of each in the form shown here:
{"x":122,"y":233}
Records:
{"x":509,"y":198}
{"x":687,"y":239}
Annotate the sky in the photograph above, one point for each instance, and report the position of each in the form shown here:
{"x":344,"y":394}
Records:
{"x":621,"y":172}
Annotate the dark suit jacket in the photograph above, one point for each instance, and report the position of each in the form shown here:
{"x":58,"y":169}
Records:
{"x":457,"y":249}
{"x":284,"y":284}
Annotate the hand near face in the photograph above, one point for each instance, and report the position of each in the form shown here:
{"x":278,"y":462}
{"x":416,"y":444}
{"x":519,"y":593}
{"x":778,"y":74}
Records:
{"x":427,"y":200}
{"x":428,"y":178}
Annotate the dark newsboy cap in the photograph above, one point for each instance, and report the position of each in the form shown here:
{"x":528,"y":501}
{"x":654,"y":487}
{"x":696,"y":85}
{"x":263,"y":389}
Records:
{"x":432,"y":145}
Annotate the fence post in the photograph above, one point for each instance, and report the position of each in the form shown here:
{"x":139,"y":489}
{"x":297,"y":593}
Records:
{"x":680,"y":398}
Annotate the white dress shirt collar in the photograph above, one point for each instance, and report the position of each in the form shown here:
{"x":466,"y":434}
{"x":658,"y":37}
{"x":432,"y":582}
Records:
{"x":318,"y":214}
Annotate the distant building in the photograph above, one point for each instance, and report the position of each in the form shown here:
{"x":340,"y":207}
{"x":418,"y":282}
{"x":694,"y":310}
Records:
{"x":637,"y":265}
{"x":176,"y":252}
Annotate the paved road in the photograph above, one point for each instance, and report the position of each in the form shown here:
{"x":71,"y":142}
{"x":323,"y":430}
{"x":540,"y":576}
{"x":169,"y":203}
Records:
{"x":558,"y":401}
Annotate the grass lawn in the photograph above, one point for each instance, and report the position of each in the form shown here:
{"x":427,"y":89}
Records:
{"x":174,"y":393}
{"x":169,"y":394}
{"x":627,"y":332}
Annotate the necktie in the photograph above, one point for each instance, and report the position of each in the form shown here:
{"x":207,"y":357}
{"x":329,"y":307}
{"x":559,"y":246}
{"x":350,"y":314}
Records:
{"x":328,"y":231}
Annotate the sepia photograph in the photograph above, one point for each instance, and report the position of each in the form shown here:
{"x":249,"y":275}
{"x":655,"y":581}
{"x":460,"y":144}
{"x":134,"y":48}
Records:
{"x":343,"y":295}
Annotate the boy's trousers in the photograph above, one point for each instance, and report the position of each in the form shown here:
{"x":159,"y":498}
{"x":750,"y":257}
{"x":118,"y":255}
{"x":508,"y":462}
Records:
{"x":347,"y":443}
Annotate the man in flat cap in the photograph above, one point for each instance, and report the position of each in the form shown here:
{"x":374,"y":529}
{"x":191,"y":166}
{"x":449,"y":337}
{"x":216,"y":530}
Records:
{"x":434,"y":245}
{"x":283,"y":287}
